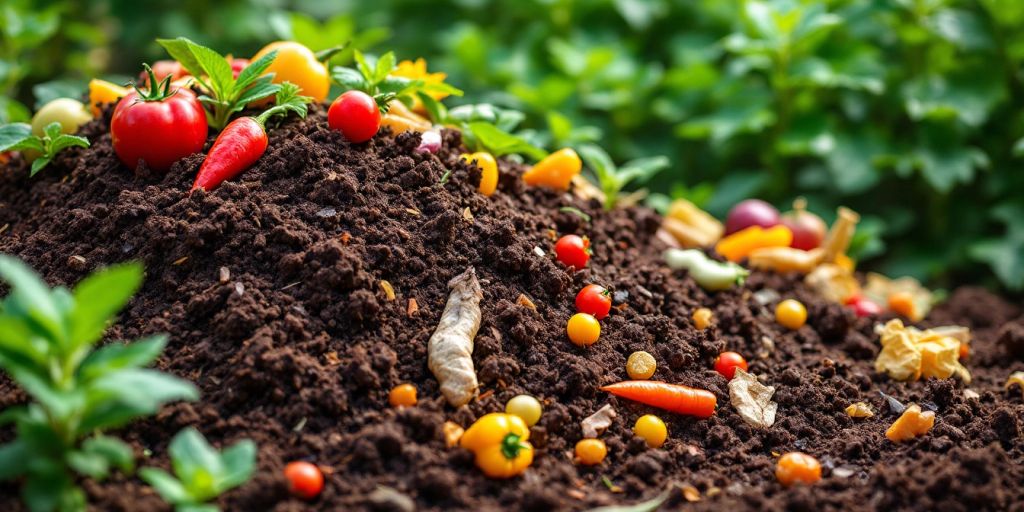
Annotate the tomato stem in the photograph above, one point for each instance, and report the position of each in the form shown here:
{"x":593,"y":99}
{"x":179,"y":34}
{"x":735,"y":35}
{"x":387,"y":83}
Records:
{"x":157,"y":91}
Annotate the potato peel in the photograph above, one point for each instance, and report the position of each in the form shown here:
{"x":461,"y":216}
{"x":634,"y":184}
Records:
{"x":450,"y":350}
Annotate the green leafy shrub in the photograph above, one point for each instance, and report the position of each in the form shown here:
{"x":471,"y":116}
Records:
{"x":47,"y":346}
{"x":200,"y":472}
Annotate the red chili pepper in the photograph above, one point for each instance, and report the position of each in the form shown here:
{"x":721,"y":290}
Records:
{"x":670,"y":397}
{"x":243,"y":141}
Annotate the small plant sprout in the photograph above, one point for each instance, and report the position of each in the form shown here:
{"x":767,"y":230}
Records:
{"x":201,"y":474}
{"x":612,"y":179}
{"x":47,"y":347}
{"x":375,"y":76}
{"x":18,"y":137}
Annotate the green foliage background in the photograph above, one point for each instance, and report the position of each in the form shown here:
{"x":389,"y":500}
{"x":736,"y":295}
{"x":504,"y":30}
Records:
{"x":909,"y":111}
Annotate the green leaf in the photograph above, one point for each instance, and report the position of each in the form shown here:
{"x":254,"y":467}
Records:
{"x":1006,"y":258}
{"x":13,"y":134}
{"x":438,"y":112}
{"x":30,"y":293}
{"x":385,"y":64}
{"x":48,"y":91}
{"x":90,"y":464}
{"x":99,"y":297}
{"x":14,"y":459}
{"x":647,"y":506}
{"x":239,"y":462}
{"x":168,"y":487}
{"x":642,"y":170}
{"x":66,"y":141}
{"x":499,"y":142}
{"x":254,"y":71}
{"x":263,"y":88}
{"x":180,"y":49}
{"x":118,"y":356}
{"x":196,"y":463}
{"x":364,"y":68}
{"x":598,"y":160}
{"x":115,"y":398}
{"x":39,"y":164}
{"x":349,"y":79}
{"x":217,"y":68}
{"x":850,"y":162}
{"x":116,"y":452}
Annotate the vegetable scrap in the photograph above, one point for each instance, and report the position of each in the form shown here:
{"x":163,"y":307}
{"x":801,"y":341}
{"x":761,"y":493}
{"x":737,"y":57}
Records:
{"x":752,"y":400}
{"x":652,"y":429}
{"x":808,"y":229}
{"x":710,"y":274}
{"x":402,"y":395}
{"x":355,"y":115}
{"x":499,"y":443}
{"x":555,"y":171}
{"x":452,"y":433}
{"x":751,"y":212}
{"x":859,"y":410}
{"x":102,"y":92}
{"x":640,"y":365}
{"x":702,"y":318}
{"x":785,"y":259}
{"x":797,"y":468}
{"x":904,"y":296}
{"x":1015,"y":379}
{"x":740,"y":244}
{"x":838,"y":239}
{"x":910,"y":354}
{"x":450,"y":348}
{"x":488,"y":171}
{"x":591,"y":452}
{"x":670,"y":397}
{"x":912,"y":423}
{"x":690,"y":226}
{"x":526,"y":407}
{"x":595,"y":424}
{"x":791,"y":314}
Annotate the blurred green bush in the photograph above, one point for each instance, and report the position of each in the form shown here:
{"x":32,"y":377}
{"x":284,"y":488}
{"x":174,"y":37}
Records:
{"x":909,"y":111}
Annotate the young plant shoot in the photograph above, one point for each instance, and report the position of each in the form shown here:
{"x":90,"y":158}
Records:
{"x":612,"y":179}
{"x":47,"y":347}
{"x":19,"y":137}
{"x":201,"y":474}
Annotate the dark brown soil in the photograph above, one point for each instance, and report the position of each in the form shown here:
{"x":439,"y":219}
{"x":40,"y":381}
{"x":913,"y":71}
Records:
{"x":296,"y":345}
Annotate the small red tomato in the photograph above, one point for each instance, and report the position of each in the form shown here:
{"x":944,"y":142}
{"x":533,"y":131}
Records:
{"x":304,"y":479}
{"x":573,"y":251}
{"x":863,"y":307}
{"x":595,"y":300}
{"x":727,"y":362}
{"x":355,"y":115}
{"x":161,"y":126}
{"x":163,"y":69}
{"x":237,"y":65}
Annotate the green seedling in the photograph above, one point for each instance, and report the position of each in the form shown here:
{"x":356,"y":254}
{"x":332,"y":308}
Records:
{"x":18,"y":137}
{"x":611,"y":179}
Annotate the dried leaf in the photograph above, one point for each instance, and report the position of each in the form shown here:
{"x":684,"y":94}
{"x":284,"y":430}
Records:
{"x":525,"y":301}
{"x":467,"y":214}
{"x":389,"y":291}
{"x":452,"y":433}
{"x":595,"y":424}
{"x":752,"y":400}
{"x":412,"y":308}
{"x":413,"y":211}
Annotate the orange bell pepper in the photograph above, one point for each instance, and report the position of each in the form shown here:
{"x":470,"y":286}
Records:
{"x":740,"y":244}
{"x":555,"y":171}
{"x":102,"y":92}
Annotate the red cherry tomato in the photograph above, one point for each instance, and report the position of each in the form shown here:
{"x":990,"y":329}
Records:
{"x":304,"y":479}
{"x":863,"y":307}
{"x":237,"y":65}
{"x":160,"y":129}
{"x":573,"y":251}
{"x":595,"y":300}
{"x":355,"y":115}
{"x":727,"y":362}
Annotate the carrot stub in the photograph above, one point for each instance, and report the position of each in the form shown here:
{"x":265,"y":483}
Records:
{"x":670,"y":397}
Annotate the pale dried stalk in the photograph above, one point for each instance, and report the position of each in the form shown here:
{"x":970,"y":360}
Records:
{"x":450,"y":350}
{"x":839,"y":236}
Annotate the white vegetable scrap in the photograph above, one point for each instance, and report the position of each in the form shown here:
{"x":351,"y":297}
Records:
{"x":752,"y":399}
{"x":450,"y":350}
{"x":595,"y":424}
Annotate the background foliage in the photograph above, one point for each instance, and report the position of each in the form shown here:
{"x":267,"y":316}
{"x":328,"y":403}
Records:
{"x":909,"y":111}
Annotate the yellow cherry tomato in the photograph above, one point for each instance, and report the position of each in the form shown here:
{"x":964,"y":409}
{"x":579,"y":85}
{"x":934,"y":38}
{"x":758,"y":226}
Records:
{"x":791,"y":314}
{"x":797,"y":467}
{"x":652,"y":429}
{"x":499,"y":442}
{"x":526,"y":407}
{"x":297,"y":64}
{"x":555,"y":171}
{"x":402,"y":395}
{"x":583,"y":329}
{"x":102,"y":92}
{"x":489,"y":171}
{"x":591,"y":452}
{"x":640,"y":365}
{"x":71,"y":114}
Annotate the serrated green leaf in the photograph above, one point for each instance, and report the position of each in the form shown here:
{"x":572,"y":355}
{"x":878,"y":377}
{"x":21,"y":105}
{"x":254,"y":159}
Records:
{"x":180,"y":49}
{"x":217,"y":68}
{"x":13,"y":134}
{"x":499,"y":142}
{"x":348,"y":78}
{"x":384,"y":65}
{"x":254,"y":71}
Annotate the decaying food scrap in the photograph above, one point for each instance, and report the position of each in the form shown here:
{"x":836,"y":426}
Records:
{"x":752,"y":400}
{"x":912,"y":423}
{"x":859,"y":410}
{"x":450,"y":350}
{"x":595,"y":424}
{"x":909,"y":353}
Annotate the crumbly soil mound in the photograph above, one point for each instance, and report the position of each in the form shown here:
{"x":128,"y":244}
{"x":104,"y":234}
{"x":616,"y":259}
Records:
{"x":295,"y":345}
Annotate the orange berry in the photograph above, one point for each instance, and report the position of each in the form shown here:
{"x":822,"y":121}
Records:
{"x":583,"y":329}
{"x":590,"y":452}
{"x":797,"y":467}
{"x":791,"y":314}
{"x":402,"y":395}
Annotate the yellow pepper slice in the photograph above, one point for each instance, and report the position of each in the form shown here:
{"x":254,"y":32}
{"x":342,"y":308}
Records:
{"x":489,"y":171}
{"x":555,"y":171}
{"x":499,"y":441}
{"x":102,"y":92}
{"x":740,"y":244}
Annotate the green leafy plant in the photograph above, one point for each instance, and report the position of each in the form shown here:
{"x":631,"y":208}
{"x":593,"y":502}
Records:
{"x":317,"y":35}
{"x":373,"y":76}
{"x":611,"y":179}
{"x":212,"y":71}
{"x":200,"y":472}
{"x":47,"y":346}
{"x":484,"y":127}
{"x":18,"y":137}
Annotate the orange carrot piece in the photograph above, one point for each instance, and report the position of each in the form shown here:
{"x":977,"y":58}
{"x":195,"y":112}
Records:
{"x":670,"y":397}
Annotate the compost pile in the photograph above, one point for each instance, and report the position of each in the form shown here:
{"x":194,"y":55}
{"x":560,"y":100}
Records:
{"x":276,"y":289}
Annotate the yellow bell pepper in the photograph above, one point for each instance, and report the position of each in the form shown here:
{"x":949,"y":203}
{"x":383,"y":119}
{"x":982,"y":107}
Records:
{"x":489,"y":171}
{"x":740,"y":244}
{"x":555,"y":171}
{"x":499,"y":442}
{"x":102,"y":92}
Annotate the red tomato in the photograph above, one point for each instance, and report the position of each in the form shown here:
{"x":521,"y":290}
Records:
{"x":594,"y":300}
{"x":159,"y":130}
{"x":237,"y":65}
{"x":164,"y":68}
{"x":573,"y":251}
{"x":863,"y":307}
{"x":355,"y":115}
{"x":304,"y":479}
{"x":727,"y":362}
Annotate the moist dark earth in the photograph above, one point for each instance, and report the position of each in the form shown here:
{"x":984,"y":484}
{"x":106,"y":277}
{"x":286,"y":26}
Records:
{"x":270,"y":288}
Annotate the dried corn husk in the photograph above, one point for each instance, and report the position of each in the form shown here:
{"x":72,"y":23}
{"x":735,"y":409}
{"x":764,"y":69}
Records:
{"x":450,"y":350}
